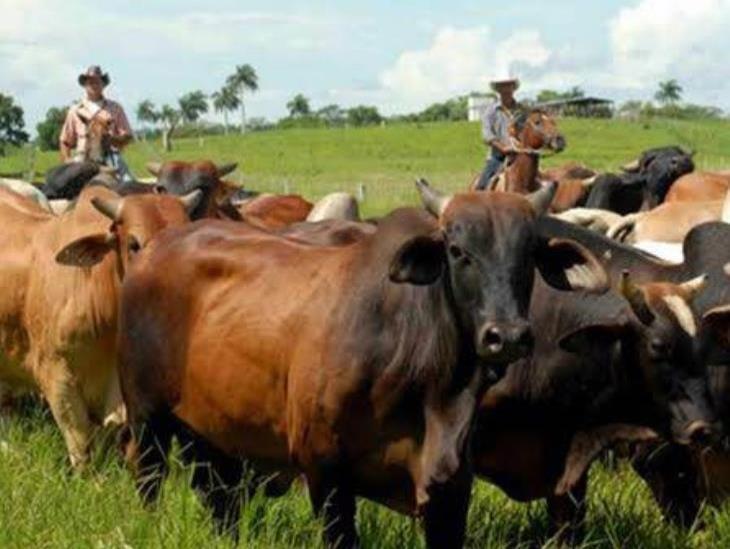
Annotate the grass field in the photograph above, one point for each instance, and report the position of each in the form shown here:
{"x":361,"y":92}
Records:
{"x":43,"y":505}
{"x":387,"y":159}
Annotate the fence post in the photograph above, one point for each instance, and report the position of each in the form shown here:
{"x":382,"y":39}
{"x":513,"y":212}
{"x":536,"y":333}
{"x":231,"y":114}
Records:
{"x":361,"y":192}
{"x":30,"y":165}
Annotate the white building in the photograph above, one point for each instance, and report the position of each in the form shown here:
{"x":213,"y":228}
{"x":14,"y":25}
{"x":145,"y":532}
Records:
{"x":476,"y":105}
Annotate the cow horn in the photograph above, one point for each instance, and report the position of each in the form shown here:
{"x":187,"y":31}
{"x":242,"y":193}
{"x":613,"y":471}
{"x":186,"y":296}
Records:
{"x":225,"y":169}
{"x":541,"y":199}
{"x":589,"y":181}
{"x":682,"y":312}
{"x":635,"y":296}
{"x":191,"y":200}
{"x":111,"y":207}
{"x":154,"y":168}
{"x":725,"y":216}
{"x":433,"y":201}
{"x":631,"y":166}
{"x":691,"y":288}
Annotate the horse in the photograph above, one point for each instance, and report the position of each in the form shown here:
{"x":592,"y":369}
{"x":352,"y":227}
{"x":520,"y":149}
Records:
{"x":534,"y":130}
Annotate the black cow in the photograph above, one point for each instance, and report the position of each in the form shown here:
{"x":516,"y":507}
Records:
{"x":604,"y":369}
{"x":67,"y":180}
{"x":644,"y":183}
{"x":677,"y":475}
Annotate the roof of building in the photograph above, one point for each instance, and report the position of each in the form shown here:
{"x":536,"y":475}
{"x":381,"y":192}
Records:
{"x":576,"y":101}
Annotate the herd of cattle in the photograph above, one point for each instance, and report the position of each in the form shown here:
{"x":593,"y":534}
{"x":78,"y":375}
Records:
{"x":488,"y":334}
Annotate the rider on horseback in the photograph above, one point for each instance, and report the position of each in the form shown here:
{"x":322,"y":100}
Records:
{"x":95,"y":111}
{"x":495,"y":128}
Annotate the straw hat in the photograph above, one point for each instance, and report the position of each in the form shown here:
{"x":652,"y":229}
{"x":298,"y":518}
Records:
{"x":94,"y":71}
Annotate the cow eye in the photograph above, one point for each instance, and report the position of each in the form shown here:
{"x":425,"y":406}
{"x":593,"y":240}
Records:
{"x":133,"y":245}
{"x":658,"y":348}
{"x":457,"y":254}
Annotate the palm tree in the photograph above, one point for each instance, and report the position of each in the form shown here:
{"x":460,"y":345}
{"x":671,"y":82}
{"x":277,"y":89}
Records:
{"x":170,"y":118}
{"x":192,"y":105}
{"x":244,"y":79}
{"x":669,"y":92}
{"x":146,"y":113}
{"x":298,"y":106}
{"x":225,"y":101}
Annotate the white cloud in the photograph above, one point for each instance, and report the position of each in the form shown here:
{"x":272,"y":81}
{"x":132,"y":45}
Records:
{"x":658,"y":39}
{"x":459,"y":61}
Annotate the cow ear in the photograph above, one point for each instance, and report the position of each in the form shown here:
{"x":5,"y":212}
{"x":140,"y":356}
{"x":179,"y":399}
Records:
{"x":589,"y":338}
{"x":87,"y":251}
{"x":717,"y":320}
{"x":567,"y":265}
{"x":419,"y":261}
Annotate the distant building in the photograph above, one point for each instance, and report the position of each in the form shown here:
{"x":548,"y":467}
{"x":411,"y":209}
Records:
{"x":477,"y":105}
{"x":582,"y":107}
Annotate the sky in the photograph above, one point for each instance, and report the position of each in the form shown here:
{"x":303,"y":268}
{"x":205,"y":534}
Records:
{"x":399,"y":56}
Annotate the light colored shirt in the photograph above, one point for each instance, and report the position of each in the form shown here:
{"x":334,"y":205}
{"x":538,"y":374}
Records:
{"x":73,"y":133}
{"x":496,"y":122}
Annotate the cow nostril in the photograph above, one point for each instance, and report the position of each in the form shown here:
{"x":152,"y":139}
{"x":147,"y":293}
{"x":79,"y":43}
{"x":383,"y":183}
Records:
{"x":491,"y":339}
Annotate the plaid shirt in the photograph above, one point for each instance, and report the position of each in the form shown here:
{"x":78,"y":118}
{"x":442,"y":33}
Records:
{"x":496,"y":122}
{"x":73,"y":133}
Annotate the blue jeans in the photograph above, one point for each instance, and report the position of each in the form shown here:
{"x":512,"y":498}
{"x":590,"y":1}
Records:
{"x":115,"y":160}
{"x":494,"y":164}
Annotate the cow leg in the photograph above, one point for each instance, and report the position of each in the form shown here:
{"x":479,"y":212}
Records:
{"x":567,"y":513}
{"x":146,"y":454}
{"x":217,"y":478}
{"x":333,"y":499}
{"x":446,"y":512}
{"x":68,"y":409}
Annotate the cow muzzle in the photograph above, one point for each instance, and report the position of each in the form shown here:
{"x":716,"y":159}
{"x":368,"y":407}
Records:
{"x":698,"y":432}
{"x":558,"y":143}
{"x":504,"y":342}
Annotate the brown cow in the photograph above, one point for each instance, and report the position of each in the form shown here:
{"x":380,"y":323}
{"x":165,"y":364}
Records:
{"x":699,"y":187}
{"x":273,"y":211}
{"x":358,"y":365}
{"x":180,"y":178}
{"x":59,"y":322}
{"x":266,"y":211}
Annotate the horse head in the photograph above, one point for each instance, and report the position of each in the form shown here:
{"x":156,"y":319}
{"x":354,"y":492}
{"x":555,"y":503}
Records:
{"x":98,"y":141}
{"x":535,"y":129}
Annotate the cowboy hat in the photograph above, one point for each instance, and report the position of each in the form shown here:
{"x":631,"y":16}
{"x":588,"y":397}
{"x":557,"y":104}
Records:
{"x":94,"y":71}
{"x":494,"y":84}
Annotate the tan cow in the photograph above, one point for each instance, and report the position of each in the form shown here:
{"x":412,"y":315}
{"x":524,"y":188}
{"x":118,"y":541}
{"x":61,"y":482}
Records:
{"x":699,"y":187}
{"x":58,"y":321}
{"x":668,"y":222}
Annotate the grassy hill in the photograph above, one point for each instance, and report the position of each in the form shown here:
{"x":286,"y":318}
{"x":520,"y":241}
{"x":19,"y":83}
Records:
{"x":43,"y":505}
{"x":386,"y":159}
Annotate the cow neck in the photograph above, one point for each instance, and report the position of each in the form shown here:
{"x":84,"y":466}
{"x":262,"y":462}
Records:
{"x":522,"y":173}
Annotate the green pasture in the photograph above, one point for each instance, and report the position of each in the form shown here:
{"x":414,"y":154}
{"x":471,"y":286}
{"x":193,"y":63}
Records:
{"x":43,"y":505}
{"x":386,"y":159}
